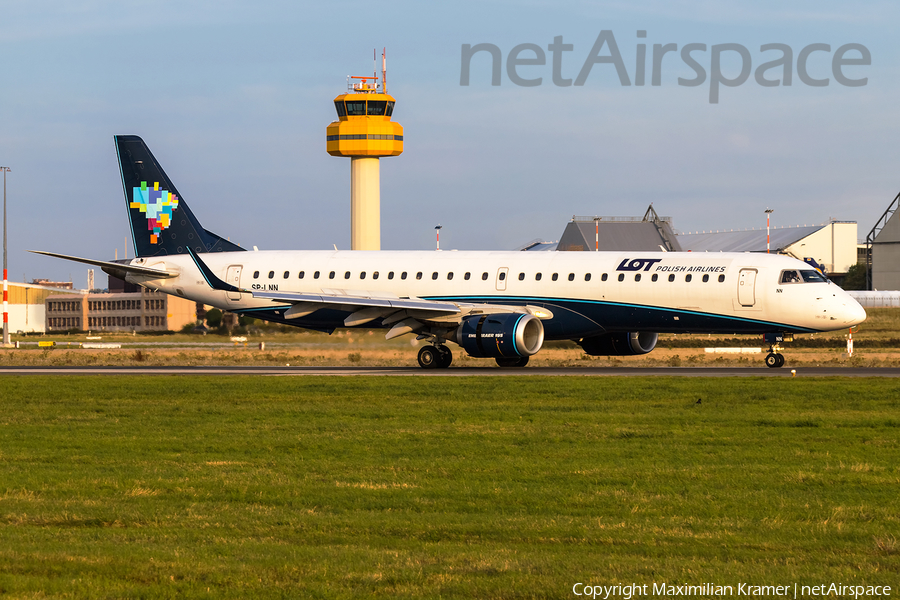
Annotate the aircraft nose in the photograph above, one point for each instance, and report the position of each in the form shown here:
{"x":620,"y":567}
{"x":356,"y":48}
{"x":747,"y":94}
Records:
{"x":854,"y":313}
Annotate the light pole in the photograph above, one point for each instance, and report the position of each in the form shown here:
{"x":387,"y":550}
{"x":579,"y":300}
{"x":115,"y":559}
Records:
{"x":5,"y":283}
{"x":769,"y":212}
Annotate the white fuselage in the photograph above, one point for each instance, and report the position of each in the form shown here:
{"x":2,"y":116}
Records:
{"x":585,"y":291}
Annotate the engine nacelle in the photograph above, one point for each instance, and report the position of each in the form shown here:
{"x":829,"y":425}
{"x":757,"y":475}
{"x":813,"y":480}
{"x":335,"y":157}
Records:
{"x":500,"y":335}
{"x":620,"y":344}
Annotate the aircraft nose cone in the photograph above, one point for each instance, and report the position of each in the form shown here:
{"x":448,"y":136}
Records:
{"x":854,"y":313}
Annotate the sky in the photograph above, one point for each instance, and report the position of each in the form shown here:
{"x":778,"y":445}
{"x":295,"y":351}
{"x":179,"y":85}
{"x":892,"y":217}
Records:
{"x":234,"y":99}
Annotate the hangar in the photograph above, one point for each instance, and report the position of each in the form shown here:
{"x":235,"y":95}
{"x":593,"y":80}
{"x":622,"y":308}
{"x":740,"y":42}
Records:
{"x":883,"y":250}
{"x":629,"y":234}
{"x":832,"y":245}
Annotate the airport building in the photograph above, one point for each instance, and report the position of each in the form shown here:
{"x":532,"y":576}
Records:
{"x":883,"y":250}
{"x":143,"y":310}
{"x":832,"y":245}
{"x":629,"y":234}
{"x":27,"y":310}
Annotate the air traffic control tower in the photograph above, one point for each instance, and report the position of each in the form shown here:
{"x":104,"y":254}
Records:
{"x":364,"y":132}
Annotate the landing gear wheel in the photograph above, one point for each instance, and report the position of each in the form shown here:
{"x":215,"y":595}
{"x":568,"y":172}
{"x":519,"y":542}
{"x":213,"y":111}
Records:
{"x":518,"y":361}
{"x":773,"y":361}
{"x":445,"y":357}
{"x":428,"y":357}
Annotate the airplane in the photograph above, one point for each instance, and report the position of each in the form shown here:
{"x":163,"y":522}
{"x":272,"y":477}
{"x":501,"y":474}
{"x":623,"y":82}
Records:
{"x":500,"y":305}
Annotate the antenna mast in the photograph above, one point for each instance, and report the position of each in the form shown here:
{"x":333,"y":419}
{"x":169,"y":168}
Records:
{"x":384,"y":71}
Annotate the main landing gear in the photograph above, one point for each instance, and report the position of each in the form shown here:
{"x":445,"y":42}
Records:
{"x":774,"y":359}
{"x":435,"y":357}
{"x":514,"y":361}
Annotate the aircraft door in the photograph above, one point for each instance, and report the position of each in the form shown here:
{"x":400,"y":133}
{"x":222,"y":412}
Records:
{"x":747,"y":287}
{"x":502,"y":274}
{"x":234,"y":278}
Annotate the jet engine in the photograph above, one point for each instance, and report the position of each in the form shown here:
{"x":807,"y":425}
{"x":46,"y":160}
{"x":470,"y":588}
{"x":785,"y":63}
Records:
{"x":620,"y":344}
{"x":500,"y":335}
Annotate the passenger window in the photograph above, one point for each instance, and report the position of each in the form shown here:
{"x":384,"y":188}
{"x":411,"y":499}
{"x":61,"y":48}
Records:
{"x":403,"y":275}
{"x":331,"y":275}
{"x":434,"y":275}
{"x":621,"y":276}
{"x":390,"y":274}
{"x":347,"y":275}
{"x":571,"y":276}
{"x":374,"y":274}
{"x":688,"y":277}
{"x":301,"y":274}
{"x":362,"y":274}
{"x":637,"y":277}
{"x":484,"y":276}
{"x":287,"y":274}
{"x":271,"y":274}
{"x":671,"y":277}
{"x":316,"y":275}
{"x":255,"y":274}
{"x":449,"y":276}
{"x":655,"y":277}
{"x":604,"y":277}
{"x":587,"y":276}
{"x":502,"y":276}
{"x":721,"y":279}
{"x":467,"y":276}
{"x":521,"y":276}
{"x":537,"y":276}
{"x":419,"y":275}
{"x":555,"y":276}
{"x":705,"y":278}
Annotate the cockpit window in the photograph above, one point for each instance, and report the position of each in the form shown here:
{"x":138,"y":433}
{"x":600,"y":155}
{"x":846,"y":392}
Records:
{"x":790,"y":277}
{"x":812,"y":276}
{"x":804,"y":276}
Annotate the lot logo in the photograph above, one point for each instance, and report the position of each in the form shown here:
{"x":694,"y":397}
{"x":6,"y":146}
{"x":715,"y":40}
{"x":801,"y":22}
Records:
{"x":637,"y":264}
{"x":157,"y":205}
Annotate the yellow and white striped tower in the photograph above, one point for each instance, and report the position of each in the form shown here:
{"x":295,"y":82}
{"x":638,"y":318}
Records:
{"x":364,"y":132}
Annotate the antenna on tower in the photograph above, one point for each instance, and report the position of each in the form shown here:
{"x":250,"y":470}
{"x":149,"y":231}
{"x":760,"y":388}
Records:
{"x":384,"y":71}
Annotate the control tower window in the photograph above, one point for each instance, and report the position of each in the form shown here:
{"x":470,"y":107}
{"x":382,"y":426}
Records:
{"x":376,"y":108}
{"x":390,"y":108}
{"x":357,"y":107}
{"x":341,"y":109}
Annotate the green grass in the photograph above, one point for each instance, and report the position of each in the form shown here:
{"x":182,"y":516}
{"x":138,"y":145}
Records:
{"x":442,"y":487}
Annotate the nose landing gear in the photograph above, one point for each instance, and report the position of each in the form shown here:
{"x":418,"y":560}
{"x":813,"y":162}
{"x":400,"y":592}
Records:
{"x":774,"y":359}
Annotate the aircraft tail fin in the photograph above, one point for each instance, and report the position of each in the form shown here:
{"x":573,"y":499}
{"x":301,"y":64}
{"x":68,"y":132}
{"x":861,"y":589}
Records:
{"x":161,"y":222}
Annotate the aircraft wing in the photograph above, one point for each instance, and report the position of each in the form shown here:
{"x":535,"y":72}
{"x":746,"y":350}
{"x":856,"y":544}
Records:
{"x":116,"y":269}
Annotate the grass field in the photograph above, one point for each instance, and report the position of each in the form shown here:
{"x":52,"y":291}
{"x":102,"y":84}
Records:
{"x":207,"y":487}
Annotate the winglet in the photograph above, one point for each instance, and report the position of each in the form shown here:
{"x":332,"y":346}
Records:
{"x":213,"y":281}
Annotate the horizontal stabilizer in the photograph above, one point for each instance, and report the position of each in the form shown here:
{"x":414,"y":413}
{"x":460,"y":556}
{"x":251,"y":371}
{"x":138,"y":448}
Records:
{"x":116,"y":269}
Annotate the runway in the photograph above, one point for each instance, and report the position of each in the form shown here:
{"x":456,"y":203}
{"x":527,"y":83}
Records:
{"x":463,"y":372}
